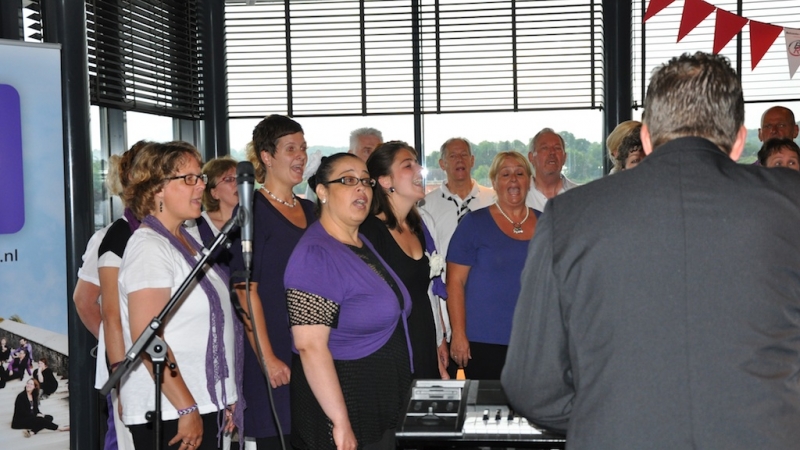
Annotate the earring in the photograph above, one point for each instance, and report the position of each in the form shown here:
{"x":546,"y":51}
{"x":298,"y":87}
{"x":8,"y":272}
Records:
{"x":160,"y":206}
{"x":323,"y":200}
{"x":391,"y":189}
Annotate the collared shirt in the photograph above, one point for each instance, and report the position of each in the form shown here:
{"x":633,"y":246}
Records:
{"x":442,"y":210}
{"x":536,"y":199}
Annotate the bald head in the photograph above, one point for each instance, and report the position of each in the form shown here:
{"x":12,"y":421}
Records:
{"x":777,"y":122}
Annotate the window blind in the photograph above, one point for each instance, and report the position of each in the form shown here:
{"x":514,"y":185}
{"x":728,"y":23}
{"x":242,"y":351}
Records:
{"x":146,"y":56}
{"x":331,"y":57}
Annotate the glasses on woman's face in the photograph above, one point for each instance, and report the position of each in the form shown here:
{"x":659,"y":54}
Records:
{"x":353,"y":181}
{"x":191,"y":179}
{"x":226,"y":180}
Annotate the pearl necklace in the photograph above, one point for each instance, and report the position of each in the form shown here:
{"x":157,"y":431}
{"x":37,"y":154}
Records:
{"x":284,"y":202}
{"x":517,"y":226}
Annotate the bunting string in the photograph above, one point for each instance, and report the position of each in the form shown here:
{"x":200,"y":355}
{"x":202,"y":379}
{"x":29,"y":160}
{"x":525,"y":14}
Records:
{"x":727,"y":25}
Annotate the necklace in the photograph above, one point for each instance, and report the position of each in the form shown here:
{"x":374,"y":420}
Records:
{"x":517,"y":226}
{"x":290,"y":205}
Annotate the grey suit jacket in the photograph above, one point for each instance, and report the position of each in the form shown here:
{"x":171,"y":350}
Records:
{"x":660,"y":308}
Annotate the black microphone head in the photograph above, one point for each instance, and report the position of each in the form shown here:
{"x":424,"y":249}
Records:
{"x":245,"y":172}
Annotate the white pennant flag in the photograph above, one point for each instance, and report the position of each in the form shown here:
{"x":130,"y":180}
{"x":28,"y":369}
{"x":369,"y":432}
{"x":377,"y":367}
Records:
{"x":792,"y":49}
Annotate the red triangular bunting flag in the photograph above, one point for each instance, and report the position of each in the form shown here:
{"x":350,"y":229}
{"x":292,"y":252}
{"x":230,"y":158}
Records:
{"x":655,"y":7}
{"x":728,"y":24}
{"x":694,"y":11}
{"x":762,"y":35}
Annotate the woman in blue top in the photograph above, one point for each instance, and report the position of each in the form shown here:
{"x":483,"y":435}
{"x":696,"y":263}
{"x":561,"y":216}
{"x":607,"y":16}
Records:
{"x":484,"y":263}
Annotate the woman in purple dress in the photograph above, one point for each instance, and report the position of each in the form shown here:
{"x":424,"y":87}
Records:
{"x":278,"y":153}
{"x":348,"y":310}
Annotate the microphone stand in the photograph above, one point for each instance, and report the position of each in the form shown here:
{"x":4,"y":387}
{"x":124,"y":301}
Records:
{"x":149,"y":341}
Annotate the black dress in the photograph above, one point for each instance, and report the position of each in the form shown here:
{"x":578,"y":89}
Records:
{"x":50,"y":384}
{"x":375,"y":387}
{"x":415,"y":276}
{"x":26,"y":415}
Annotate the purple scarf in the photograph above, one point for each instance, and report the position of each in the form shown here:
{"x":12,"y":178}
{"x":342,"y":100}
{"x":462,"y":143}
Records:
{"x":216,"y":363}
{"x":133,"y":222}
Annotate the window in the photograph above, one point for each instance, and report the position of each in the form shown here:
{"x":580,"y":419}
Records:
{"x":145,"y":56}
{"x":768,"y":85}
{"x":469,"y":68}
{"x":654,"y":44}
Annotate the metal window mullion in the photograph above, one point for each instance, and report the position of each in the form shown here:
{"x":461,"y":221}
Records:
{"x":416,"y":37}
{"x":288,"y":37}
{"x":438,"y":46}
{"x":514,"y":54}
{"x":592,"y":46}
{"x":362,"y":19}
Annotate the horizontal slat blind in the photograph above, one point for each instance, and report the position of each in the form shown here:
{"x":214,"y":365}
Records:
{"x":511,"y":55}
{"x":342,"y":61}
{"x":657,"y":44}
{"x":145,"y":56}
{"x":326,"y":57}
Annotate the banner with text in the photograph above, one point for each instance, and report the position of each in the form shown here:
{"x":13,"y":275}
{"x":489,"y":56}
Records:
{"x":33,"y":260}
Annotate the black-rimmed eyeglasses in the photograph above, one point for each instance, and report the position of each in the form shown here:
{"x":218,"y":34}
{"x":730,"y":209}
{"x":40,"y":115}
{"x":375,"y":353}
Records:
{"x":353,"y":181}
{"x":191,"y":179}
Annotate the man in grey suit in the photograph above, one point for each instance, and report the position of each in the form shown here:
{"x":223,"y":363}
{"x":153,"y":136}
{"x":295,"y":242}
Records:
{"x":660,"y":307}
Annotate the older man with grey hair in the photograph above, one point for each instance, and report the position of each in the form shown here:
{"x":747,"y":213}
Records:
{"x":364,"y":141}
{"x":547,"y":155}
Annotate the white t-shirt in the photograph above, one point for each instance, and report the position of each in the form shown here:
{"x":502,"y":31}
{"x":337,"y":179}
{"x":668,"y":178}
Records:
{"x":150,"y":261}
{"x":88,"y":270}
{"x":89,"y":273}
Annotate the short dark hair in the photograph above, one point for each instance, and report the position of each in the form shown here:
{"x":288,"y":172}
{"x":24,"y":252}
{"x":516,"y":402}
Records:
{"x":380,"y":164}
{"x":695,"y":95}
{"x":772,"y":146}
{"x":632,"y":142}
{"x":265,"y":139}
{"x":323,"y":173}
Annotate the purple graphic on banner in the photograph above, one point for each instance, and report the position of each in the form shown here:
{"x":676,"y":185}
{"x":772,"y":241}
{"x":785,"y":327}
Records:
{"x":12,"y":199}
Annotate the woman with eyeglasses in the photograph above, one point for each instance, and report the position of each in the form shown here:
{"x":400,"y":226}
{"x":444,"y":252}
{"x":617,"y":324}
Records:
{"x":166,"y":189}
{"x":348,"y":310}
{"x":395,"y":229}
{"x":221,"y":195}
{"x":278,"y":153}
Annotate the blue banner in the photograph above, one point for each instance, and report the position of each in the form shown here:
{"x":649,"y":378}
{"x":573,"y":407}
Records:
{"x":33,"y":260}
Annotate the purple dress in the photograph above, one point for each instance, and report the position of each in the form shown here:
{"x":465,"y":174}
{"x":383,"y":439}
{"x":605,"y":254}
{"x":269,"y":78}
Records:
{"x":354,"y":292}
{"x":274,"y":238}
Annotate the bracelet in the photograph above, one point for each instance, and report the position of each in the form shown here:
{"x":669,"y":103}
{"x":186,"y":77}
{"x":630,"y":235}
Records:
{"x":115,"y":365}
{"x":189,"y":410}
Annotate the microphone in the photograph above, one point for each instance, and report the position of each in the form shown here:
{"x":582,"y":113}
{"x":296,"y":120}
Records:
{"x":245,"y":180}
